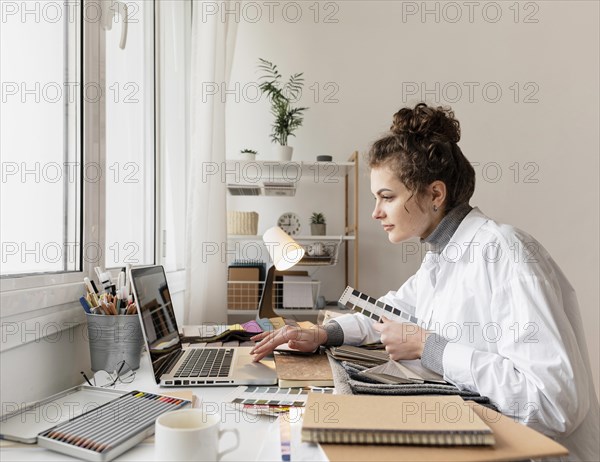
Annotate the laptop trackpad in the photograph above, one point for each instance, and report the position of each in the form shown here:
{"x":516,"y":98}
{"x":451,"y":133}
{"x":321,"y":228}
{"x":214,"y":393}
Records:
{"x":259,"y":373}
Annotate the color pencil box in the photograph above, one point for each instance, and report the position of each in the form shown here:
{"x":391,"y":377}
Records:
{"x":89,"y":423}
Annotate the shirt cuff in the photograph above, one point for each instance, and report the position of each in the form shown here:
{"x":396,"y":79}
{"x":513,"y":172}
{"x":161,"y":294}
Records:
{"x":433,"y":353}
{"x":457,"y":365}
{"x":335,"y":334}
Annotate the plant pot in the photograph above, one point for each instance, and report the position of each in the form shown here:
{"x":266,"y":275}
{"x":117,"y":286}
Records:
{"x":318,"y":229}
{"x":247,"y":156}
{"x":283,"y":153}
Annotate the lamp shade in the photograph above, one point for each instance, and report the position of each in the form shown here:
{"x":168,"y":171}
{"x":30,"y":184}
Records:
{"x":284,"y":251}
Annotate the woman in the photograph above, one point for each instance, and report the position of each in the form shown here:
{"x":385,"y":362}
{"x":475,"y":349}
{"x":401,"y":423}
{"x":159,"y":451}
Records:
{"x":503,"y":320}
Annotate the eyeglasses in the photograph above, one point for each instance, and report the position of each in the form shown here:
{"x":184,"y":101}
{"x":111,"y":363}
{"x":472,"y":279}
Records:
{"x":123,"y":373}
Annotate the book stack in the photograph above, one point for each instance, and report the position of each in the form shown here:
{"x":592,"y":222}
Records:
{"x":396,"y":429}
{"x":391,"y":420}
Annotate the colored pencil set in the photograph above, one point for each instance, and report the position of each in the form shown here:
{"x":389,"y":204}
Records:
{"x":109,"y":430}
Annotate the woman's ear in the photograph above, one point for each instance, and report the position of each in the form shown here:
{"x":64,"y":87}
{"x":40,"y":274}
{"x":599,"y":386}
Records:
{"x":437,"y":191}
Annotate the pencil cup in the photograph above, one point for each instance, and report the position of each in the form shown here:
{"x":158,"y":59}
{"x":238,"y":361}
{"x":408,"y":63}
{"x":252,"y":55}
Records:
{"x":114,"y":339}
{"x":190,"y":435}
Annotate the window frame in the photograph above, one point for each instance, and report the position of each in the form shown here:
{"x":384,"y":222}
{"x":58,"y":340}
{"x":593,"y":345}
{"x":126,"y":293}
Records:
{"x":26,"y":293}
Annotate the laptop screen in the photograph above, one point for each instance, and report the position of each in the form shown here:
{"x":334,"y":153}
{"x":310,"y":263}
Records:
{"x":156,"y":313}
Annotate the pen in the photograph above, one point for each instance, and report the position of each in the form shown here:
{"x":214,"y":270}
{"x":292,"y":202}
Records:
{"x":121,"y":279}
{"x":85,"y":304}
{"x":127,"y":280}
{"x":89,"y":285}
{"x":93,"y":299}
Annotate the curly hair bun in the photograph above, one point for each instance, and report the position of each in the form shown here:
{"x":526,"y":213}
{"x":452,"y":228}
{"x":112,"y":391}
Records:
{"x":425,"y":122}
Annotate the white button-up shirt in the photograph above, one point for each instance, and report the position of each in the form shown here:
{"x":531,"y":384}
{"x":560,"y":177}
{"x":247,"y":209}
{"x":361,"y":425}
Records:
{"x":514,"y":329}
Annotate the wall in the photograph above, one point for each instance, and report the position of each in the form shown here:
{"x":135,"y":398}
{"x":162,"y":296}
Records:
{"x":534,"y":145}
{"x":39,"y":358}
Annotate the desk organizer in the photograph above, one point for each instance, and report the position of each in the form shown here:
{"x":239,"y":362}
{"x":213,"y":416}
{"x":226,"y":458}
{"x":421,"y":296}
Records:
{"x":114,"y":339}
{"x":108,"y":422}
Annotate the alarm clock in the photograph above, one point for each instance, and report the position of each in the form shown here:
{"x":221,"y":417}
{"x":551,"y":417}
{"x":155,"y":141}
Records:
{"x":290,"y":223}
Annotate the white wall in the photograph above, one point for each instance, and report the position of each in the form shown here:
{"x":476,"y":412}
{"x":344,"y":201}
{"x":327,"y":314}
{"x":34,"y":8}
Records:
{"x":372,"y":55}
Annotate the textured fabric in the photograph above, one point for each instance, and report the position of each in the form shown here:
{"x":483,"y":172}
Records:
{"x":340,"y":377}
{"x":347,"y":380}
{"x":433,"y":353}
{"x":335,"y":334}
{"x":442,"y":234}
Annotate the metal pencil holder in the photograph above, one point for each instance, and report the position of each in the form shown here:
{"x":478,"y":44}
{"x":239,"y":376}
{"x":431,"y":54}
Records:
{"x":114,"y":339}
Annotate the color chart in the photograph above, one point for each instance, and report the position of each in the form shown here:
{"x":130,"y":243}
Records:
{"x":375,"y":309}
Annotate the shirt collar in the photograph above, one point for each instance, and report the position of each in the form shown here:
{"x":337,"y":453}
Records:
{"x":441,"y":235}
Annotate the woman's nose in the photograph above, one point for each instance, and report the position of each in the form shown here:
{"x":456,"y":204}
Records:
{"x":377,"y":212}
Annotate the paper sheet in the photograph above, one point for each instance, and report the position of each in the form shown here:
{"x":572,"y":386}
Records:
{"x":297,"y":292}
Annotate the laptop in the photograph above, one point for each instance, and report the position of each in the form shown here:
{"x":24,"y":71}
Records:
{"x":176,"y":366}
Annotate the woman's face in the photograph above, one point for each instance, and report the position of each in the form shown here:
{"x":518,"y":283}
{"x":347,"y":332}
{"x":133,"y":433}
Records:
{"x":398,"y":210}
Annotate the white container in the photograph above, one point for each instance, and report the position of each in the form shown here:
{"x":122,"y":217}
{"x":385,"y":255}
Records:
{"x":283,"y":153}
{"x":247,"y":156}
{"x":190,"y":435}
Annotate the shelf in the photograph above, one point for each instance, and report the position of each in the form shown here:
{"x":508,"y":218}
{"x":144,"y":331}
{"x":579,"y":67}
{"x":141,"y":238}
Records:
{"x":274,"y":170}
{"x":249,"y":237}
{"x":272,"y":178}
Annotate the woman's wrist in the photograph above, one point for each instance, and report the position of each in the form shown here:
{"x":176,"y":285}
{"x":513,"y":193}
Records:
{"x":322,"y":335}
{"x":334,"y":334}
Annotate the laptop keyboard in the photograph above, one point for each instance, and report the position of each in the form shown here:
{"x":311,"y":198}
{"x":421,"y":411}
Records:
{"x":210,"y":362}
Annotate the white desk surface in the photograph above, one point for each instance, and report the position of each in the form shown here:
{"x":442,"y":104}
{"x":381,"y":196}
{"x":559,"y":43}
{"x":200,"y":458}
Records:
{"x":259,"y":435}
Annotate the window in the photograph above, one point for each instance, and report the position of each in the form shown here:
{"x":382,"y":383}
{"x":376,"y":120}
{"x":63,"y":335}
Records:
{"x":174,"y":50}
{"x":40,"y":142}
{"x":77,"y":148}
{"x":130,"y":185}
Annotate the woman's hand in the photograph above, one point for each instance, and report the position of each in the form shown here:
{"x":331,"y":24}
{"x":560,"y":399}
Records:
{"x":297,"y":338}
{"x":402,"y":340}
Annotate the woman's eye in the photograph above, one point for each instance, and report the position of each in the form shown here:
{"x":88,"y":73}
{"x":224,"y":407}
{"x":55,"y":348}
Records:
{"x":386,"y":198}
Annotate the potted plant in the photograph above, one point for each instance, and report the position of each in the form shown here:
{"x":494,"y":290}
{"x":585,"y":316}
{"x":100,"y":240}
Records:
{"x":248,"y":154}
{"x":281,"y":96}
{"x":318,"y":227}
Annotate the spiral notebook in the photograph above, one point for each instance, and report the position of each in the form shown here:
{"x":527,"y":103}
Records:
{"x":412,"y":420}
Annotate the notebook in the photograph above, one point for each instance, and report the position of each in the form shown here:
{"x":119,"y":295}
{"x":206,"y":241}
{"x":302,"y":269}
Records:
{"x":411,"y":420}
{"x":177,"y":366}
{"x":514,"y":441}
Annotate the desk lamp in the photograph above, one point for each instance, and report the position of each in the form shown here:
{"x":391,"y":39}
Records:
{"x":285,"y":252}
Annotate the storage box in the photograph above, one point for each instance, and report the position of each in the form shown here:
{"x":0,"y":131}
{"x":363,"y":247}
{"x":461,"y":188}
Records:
{"x":242,"y":223}
{"x":243,"y":288}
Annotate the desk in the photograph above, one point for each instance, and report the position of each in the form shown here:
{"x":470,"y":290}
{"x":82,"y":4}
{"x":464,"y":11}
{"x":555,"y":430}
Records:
{"x":259,"y":435}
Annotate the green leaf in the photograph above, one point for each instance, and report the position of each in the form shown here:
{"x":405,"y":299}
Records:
{"x":287,"y":119}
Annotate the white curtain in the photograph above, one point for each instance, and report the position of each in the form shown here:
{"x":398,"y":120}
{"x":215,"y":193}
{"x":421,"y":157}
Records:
{"x":212,"y":47}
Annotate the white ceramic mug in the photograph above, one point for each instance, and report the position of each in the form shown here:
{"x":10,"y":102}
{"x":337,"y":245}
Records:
{"x":190,"y":434}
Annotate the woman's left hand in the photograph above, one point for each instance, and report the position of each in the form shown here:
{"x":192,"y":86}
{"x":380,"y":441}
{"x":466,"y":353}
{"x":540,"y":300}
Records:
{"x":402,"y":340}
